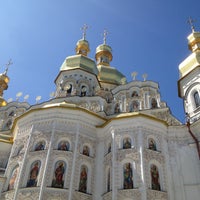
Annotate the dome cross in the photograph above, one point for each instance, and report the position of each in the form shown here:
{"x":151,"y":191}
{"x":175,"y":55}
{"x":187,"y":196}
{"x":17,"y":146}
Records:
{"x":7,"y":66}
{"x":84,"y":29}
{"x":191,"y":21}
{"x":105,"y":33}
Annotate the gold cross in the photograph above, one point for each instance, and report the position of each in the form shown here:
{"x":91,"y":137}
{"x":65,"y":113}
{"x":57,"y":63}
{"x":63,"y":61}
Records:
{"x":134,"y":74}
{"x":191,"y":21}
{"x":105,"y":33}
{"x":7,"y":66}
{"x":84,"y":28}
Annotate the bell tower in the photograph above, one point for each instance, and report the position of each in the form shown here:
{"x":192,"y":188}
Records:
{"x":189,"y":72}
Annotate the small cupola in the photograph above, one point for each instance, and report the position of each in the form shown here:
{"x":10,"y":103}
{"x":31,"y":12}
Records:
{"x":104,"y":53}
{"x":193,"y":38}
{"x":82,"y":46}
{"x":4,"y":80}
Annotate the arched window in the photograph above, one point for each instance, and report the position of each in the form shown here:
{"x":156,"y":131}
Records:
{"x":117,"y":108}
{"x":109,"y":147}
{"x":83,"y":90}
{"x":83,"y":179}
{"x":58,"y":178}
{"x":40,"y":146}
{"x":7,"y":125}
{"x":69,"y":89}
{"x":126,"y":143}
{"x":33,"y":174}
{"x":103,"y":59}
{"x":63,"y":146}
{"x":154,"y":103}
{"x":135,"y":106}
{"x":152,"y":144}
{"x":128,"y":176}
{"x":66,"y":86}
{"x":196,"y":99}
{"x":11,"y":114}
{"x":12,"y":181}
{"x":135,"y":94}
{"x":155,"y":179}
{"x":86,"y":150}
{"x":108,"y":180}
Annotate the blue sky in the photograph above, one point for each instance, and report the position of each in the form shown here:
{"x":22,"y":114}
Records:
{"x":147,"y":36}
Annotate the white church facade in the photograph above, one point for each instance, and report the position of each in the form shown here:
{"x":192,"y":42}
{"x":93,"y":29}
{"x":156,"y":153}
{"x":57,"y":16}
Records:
{"x":101,"y":137}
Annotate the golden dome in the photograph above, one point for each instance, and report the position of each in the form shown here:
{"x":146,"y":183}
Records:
{"x":82,"y":47}
{"x":103,"y":54}
{"x":3,"y":83}
{"x":4,"y":78}
{"x":2,"y":102}
{"x":194,"y":41}
{"x":107,"y":74}
{"x":193,"y":60}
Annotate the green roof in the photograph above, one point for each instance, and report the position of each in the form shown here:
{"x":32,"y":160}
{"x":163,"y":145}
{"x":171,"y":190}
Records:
{"x":79,"y":62}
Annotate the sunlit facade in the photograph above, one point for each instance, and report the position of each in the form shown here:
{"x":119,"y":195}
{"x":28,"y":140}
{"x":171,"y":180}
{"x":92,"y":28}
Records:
{"x":101,"y":137}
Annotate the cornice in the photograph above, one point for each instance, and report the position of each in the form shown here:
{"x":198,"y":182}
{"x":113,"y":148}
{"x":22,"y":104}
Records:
{"x":6,"y":139}
{"x":62,"y":105}
{"x":131,"y":115}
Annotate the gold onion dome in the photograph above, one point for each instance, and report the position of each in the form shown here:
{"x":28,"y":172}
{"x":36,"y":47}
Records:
{"x":107,"y":74}
{"x":3,"y":86}
{"x":80,"y":60}
{"x":2,"y":102}
{"x":193,"y":38}
{"x":103,"y":54}
{"x":193,"y":60}
{"x":194,"y":41}
{"x":82,"y":47}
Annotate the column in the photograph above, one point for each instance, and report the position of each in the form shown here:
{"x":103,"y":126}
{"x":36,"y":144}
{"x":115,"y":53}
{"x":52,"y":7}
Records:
{"x":114,"y":189}
{"x":169,"y":185}
{"x":179,"y":183}
{"x":74,"y":163}
{"x":23,"y":162}
{"x":99,"y":170}
{"x":141,"y":149}
{"x":47,"y":160}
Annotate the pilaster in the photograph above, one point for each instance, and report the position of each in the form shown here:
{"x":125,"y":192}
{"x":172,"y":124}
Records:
{"x":74,"y":163}
{"x":143,"y":181}
{"x":23,"y":163}
{"x":114,"y":189}
{"x":47,"y":161}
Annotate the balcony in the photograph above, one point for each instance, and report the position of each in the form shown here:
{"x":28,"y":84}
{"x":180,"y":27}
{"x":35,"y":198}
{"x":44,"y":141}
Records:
{"x":129,"y":193}
{"x":107,"y":195}
{"x":82,"y":195}
{"x":155,"y":194}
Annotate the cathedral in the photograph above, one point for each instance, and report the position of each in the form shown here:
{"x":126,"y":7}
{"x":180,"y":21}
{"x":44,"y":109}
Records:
{"x":100,"y":137}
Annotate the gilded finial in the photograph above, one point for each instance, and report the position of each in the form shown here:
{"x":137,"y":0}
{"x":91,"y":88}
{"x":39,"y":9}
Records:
{"x":84,"y":29}
{"x":105,"y":33}
{"x":134,"y":74}
{"x":7,"y":66}
{"x":191,"y":21}
{"x":144,"y":77}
